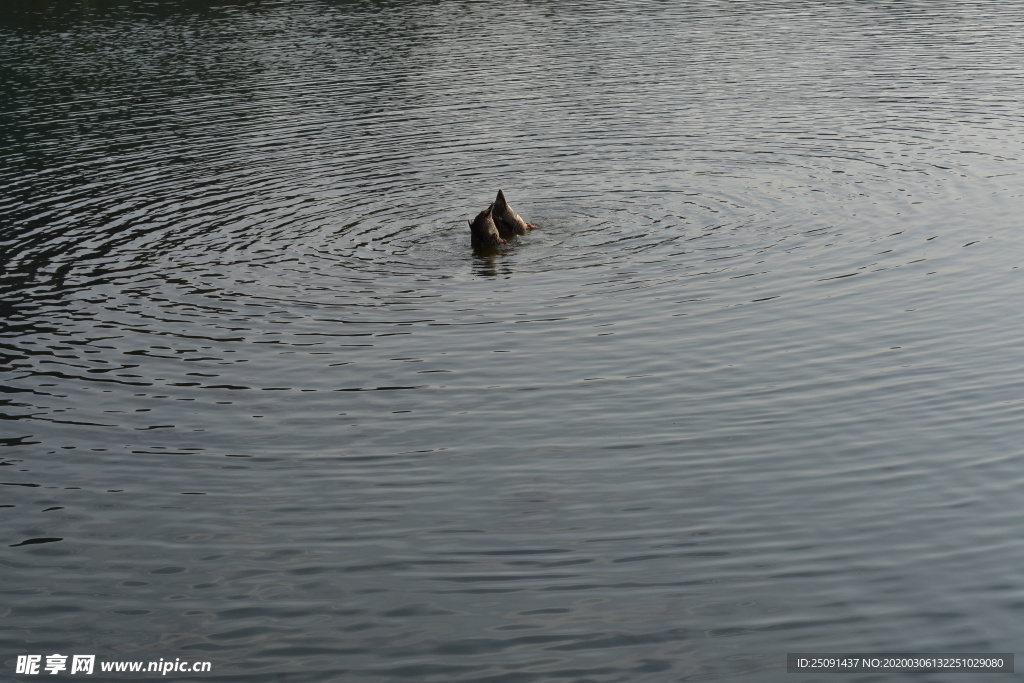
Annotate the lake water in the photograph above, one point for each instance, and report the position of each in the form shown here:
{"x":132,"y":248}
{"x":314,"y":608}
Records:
{"x":755,"y":386}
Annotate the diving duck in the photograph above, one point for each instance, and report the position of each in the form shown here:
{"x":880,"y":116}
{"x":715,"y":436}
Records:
{"x":500,"y":218}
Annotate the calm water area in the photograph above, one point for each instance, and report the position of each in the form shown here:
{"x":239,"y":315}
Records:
{"x":754,"y":387}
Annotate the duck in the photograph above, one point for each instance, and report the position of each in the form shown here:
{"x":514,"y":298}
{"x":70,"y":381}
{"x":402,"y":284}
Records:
{"x":497,"y":224}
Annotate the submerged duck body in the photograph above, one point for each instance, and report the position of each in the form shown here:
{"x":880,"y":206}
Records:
{"x":505,"y":222}
{"x":483,"y":232}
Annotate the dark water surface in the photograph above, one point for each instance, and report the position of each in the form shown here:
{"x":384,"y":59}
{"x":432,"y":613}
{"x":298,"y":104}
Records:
{"x":755,"y":387}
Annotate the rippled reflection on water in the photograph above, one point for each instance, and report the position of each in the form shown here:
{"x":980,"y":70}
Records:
{"x":754,"y":387}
